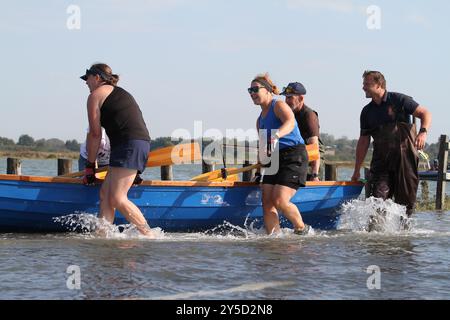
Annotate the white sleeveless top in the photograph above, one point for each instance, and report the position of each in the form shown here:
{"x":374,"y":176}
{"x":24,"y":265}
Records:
{"x":103,"y":150}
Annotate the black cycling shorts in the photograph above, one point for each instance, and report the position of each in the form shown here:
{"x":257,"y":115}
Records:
{"x":292,"y":170}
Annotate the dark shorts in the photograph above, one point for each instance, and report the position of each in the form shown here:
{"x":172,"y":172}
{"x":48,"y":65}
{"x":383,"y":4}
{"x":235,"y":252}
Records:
{"x":132,"y":154}
{"x":292,"y":170}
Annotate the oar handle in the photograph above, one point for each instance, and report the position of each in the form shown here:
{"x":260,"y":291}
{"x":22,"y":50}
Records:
{"x":81,"y":173}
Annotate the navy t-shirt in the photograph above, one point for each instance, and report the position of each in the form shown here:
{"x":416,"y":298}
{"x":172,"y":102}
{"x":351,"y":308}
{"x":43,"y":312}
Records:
{"x":394,"y":107}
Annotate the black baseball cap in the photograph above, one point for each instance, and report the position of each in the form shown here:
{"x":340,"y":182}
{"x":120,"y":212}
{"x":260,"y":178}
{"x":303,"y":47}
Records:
{"x":293,"y":89}
{"x":94,"y":71}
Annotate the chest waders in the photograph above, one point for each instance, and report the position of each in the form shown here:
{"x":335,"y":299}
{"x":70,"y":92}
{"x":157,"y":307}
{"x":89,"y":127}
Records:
{"x":394,"y":166}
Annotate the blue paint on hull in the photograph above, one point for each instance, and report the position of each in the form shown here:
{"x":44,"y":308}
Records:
{"x":32,"y":206}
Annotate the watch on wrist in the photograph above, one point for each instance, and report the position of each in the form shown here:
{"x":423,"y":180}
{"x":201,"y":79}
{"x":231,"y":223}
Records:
{"x":314,"y":175}
{"x":423,"y":130}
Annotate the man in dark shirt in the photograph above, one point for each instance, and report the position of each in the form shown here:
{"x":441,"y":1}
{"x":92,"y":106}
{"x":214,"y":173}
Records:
{"x":308,"y":123}
{"x":387,"y":119}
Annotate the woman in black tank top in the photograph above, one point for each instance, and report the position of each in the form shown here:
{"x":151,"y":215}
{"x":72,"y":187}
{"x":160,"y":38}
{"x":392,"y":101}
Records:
{"x":116,"y":110}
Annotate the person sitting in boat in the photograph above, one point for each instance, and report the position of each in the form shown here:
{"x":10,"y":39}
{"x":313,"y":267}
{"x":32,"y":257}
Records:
{"x":387,"y":119}
{"x":308,"y":124}
{"x":104,"y":150}
{"x":115,"y":109}
{"x":279,"y":125}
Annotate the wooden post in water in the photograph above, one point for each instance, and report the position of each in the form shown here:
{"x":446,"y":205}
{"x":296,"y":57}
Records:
{"x":235,"y":153}
{"x":330,"y":172}
{"x":442,"y":172}
{"x":13,"y":166}
{"x":224,"y":152}
{"x":247,"y":175}
{"x":207,"y":166}
{"x":166,"y":173}
{"x":64,"y":166}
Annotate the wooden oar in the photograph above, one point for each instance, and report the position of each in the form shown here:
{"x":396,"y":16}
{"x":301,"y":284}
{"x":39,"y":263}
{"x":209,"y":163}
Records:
{"x":180,"y":153}
{"x":312,"y":150}
{"x":217,"y":174}
{"x":81,"y":173}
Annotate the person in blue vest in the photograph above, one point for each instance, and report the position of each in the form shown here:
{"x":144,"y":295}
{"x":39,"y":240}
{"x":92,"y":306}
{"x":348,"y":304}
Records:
{"x":278,"y":124}
{"x":114,"y":109}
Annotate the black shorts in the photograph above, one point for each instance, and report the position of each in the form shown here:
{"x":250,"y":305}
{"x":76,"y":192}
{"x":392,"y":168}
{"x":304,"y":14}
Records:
{"x":132,"y":154}
{"x":292,"y":170}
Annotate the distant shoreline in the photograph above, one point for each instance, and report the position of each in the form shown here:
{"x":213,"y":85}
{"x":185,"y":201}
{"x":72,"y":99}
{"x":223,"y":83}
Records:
{"x":39,"y":155}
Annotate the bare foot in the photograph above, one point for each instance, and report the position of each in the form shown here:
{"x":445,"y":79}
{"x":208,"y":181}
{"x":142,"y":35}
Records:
{"x":149,"y":234}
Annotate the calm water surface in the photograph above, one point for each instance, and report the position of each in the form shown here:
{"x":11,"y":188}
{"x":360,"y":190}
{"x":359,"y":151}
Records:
{"x":235,"y":263}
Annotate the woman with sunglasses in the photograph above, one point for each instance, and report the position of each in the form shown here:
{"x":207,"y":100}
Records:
{"x":114,"y":109}
{"x":277,"y":123}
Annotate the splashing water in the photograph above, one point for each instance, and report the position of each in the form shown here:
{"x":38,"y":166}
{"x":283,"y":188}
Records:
{"x":249,"y":231}
{"x":98,"y":227}
{"x":374,"y":214}
{"x":93,"y":227}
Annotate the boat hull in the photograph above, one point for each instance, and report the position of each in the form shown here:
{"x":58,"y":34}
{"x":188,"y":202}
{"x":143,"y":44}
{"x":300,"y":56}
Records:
{"x":31,"y":205}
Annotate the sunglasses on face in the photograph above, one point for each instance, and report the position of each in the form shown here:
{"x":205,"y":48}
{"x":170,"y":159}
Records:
{"x":94,"y":72}
{"x":254,"y":89}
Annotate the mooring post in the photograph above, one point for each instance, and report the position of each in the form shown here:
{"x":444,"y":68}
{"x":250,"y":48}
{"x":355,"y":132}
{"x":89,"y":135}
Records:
{"x":13,"y":166}
{"x":166,"y":173}
{"x":247,"y":175}
{"x":64,"y":166}
{"x":330,"y":172}
{"x":442,"y":172}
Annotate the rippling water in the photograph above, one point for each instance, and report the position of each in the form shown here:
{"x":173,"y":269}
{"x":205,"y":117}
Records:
{"x":232,"y":263}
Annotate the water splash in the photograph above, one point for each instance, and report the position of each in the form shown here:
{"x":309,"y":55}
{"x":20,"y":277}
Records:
{"x":374,"y":215}
{"x":250,"y":231}
{"x":91,"y":225}
{"x":229,"y":230}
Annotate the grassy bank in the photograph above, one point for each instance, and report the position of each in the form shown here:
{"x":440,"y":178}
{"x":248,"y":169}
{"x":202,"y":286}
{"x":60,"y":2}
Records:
{"x":39,"y":155}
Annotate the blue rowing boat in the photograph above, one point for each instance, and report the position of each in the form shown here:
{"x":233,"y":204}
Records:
{"x":31,"y":204}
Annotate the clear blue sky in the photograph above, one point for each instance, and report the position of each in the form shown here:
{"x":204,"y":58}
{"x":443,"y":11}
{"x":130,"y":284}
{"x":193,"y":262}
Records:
{"x":188,"y":60}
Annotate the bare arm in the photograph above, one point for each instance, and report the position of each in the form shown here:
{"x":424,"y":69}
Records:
{"x":285,"y":114}
{"x":425,"y":121}
{"x":259,"y":145}
{"x":315,"y":165}
{"x":361,"y":151}
{"x":94,"y":136}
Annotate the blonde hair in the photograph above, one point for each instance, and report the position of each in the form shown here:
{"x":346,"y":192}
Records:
{"x":264,"y":80}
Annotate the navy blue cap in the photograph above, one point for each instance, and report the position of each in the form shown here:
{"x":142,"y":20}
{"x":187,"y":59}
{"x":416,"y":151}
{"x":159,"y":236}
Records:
{"x":294,"y":89}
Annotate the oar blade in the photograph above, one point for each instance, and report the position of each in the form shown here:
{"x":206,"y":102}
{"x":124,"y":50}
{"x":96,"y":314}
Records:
{"x":179,"y":154}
